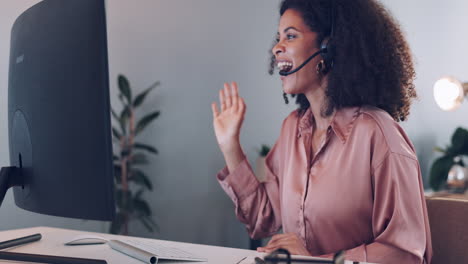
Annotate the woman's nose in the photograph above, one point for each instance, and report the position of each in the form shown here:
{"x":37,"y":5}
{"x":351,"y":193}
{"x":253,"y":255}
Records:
{"x":277,"y":49}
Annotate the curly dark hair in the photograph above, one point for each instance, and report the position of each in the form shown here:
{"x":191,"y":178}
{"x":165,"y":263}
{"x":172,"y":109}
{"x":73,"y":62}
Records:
{"x":372,"y":60}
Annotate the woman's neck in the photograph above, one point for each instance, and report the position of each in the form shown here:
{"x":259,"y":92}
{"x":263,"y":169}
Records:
{"x":318,"y":100}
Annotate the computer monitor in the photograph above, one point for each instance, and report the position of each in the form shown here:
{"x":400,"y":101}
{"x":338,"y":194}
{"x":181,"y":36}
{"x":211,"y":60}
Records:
{"x":60,"y":136}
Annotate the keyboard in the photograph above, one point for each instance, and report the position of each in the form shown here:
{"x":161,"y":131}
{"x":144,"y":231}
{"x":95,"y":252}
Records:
{"x":161,"y":251}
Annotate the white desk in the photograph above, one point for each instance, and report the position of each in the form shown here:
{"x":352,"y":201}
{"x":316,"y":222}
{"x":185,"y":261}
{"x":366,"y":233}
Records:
{"x":53,"y":239}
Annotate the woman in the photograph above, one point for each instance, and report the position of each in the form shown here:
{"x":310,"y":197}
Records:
{"x":343,"y":175}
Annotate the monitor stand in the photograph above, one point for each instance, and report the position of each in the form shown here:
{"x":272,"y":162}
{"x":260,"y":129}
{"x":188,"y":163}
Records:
{"x":11,"y":177}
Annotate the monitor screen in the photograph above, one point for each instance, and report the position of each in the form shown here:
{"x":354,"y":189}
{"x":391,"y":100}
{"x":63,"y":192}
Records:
{"x":59,"y":110}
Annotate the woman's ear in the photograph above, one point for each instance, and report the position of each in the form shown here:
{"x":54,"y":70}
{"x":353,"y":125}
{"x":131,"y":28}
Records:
{"x":322,"y":68}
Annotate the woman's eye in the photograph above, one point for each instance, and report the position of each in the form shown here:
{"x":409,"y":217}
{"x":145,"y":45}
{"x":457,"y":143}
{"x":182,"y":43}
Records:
{"x":290,"y":36}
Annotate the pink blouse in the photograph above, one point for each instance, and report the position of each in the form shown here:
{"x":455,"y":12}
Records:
{"x":360,"y":192}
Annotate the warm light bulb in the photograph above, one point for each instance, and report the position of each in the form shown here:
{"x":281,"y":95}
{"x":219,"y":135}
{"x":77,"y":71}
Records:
{"x":448,"y":93}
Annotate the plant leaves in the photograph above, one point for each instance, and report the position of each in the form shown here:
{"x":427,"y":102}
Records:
{"x":153,"y":223}
{"x":439,"y":149}
{"x":116,"y":225}
{"x":439,"y":172}
{"x":264,"y":150}
{"x":124,"y":152}
{"x":146,"y":224}
{"x":142,"y":207}
{"x":124,"y":116}
{"x":141,"y":97}
{"x":139,"y":158}
{"x":124,"y":200}
{"x":118,"y":174}
{"x":138,"y":194}
{"x":145,"y":121}
{"x":460,"y":141}
{"x":140,"y":178}
{"x":114,"y":114}
{"x":116,"y":133}
{"x":145,"y":147}
{"x":118,"y":120}
{"x":150,"y":221}
{"x":124,"y":87}
{"x":118,"y":197}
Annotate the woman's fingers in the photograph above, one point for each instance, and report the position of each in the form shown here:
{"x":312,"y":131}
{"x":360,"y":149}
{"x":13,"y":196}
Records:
{"x":229,"y":99}
{"x":214,"y":108}
{"x":227,"y":94}
{"x":241,"y":105}
{"x":277,"y":238}
{"x":267,"y":249}
{"x":235,"y":96}
{"x":289,"y":241}
{"x":271,"y":248}
{"x":272,"y":244}
{"x":222,"y":100}
{"x":276,"y":242}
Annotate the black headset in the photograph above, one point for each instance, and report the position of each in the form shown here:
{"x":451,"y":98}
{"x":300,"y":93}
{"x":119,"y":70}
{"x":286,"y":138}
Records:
{"x":327,"y":47}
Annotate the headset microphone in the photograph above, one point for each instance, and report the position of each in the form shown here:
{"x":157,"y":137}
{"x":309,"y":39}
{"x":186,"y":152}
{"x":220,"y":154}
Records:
{"x":283,"y":73}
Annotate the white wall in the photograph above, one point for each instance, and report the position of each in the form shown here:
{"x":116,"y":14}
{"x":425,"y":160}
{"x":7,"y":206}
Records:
{"x":192,"y":47}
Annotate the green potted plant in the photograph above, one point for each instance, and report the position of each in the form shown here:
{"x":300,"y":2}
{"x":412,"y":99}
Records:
{"x":260,"y":162}
{"x":441,"y":166}
{"x":130,"y":180}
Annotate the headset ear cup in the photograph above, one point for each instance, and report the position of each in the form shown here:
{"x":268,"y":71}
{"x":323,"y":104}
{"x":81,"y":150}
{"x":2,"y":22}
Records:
{"x":327,"y":53}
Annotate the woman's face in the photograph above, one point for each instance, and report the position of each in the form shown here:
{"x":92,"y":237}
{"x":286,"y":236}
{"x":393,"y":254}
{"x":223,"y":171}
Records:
{"x":296,"y":43}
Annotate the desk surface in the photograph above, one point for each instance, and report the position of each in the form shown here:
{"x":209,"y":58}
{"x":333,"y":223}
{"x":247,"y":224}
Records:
{"x":445,"y":194}
{"x":53,"y":239}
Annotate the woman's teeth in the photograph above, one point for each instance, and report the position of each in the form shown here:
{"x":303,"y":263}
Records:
{"x":284,"y":66}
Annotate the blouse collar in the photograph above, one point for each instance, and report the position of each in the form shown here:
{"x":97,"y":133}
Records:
{"x":341,"y":123}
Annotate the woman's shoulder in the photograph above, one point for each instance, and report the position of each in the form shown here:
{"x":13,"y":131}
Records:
{"x":384,"y":130}
{"x":291,"y":126}
{"x":294,"y":115}
{"x":292,"y":119}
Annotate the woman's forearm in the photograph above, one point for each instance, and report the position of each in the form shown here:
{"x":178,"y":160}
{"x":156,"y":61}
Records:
{"x":233,"y":155}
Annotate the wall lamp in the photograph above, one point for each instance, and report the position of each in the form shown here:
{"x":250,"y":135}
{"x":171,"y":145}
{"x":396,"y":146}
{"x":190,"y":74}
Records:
{"x":449,"y":93}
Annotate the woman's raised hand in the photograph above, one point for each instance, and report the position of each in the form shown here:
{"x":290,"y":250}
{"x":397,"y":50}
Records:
{"x":228,"y":120}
